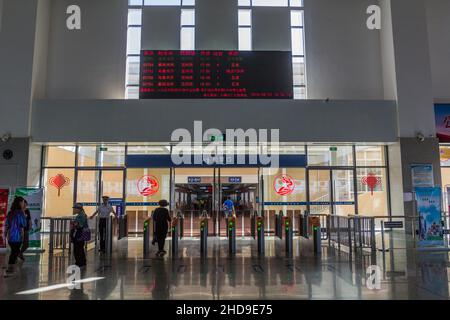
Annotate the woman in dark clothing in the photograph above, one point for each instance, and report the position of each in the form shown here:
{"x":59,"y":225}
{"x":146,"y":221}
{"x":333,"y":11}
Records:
{"x":78,"y":244}
{"x":26,"y":231}
{"x":15,"y":224}
{"x":161,"y":219}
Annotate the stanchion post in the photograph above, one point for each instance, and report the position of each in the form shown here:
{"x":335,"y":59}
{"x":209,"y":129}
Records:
{"x":175,"y":237}
{"x":231,"y":235}
{"x":289,"y":235}
{"x":203,"y":237}
{"x":260,"y":234}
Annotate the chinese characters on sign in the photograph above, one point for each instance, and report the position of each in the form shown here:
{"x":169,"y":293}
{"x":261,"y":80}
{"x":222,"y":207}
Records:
{"x":216,"y":74}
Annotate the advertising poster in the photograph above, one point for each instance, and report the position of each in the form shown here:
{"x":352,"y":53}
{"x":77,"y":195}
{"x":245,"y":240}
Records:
{"x":429,"y":213}
{"x":442,"y":118}
{"x":4,"y":194}
{"x":34,"y":197}
{"x":422,"y":175}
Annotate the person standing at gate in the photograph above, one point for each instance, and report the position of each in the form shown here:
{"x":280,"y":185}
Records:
{"x":228,"y":207}
{"x":26,"y":233}
{"x":104,"y":212}
{"x":79,"y":243}
{"x":161,"y":219}
{"x":14,"y":225}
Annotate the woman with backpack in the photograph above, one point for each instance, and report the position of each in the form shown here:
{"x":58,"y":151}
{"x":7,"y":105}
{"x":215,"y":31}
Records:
{"x":15,"y":225}
{"x":80,"y":234}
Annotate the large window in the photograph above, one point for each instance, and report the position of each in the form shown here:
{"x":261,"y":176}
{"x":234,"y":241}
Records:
{"x":339,"y":180}
{"x":297,"y":36}
{"x":187,"y":37}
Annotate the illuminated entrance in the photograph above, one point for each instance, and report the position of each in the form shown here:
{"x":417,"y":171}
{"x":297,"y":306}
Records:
{"x":337,"y":180}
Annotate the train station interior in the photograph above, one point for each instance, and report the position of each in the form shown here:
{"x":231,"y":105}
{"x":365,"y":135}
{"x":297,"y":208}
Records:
{"x":302,"y":148}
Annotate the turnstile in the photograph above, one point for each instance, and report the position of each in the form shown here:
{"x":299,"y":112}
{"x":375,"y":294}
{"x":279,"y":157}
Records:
{"x":147,"y":234}
{"x":231,"y":235}
{"x":260,"y":234}
{"x":317,"y":237}
{"x":175,"y":236}
{"x":204,"y":236}
{"x":289,"y":233}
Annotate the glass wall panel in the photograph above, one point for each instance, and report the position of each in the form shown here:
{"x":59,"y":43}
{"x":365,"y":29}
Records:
{"x":343,"y":192}
{"x":319,"y":191}
{"x":59,"y":156}
{"x":444,"y":152}
{"x":330,"y":156}
{"x":87,"y":156}
{"x":58,"y":190}
{"x":111,"y":156}
{"x":372,"y":191}
{"x":370,"y":156}
{"x":145,"y":187}
{"x":88,"y":189}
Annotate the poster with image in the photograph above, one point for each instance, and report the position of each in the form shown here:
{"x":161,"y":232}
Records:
{"x":422,"y":175}
{"x":34,"y":197}
{"x":429,"y":213}
{"x":4,"y":195}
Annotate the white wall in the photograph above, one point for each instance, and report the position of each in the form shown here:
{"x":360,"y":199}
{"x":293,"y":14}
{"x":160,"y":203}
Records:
{"x":154,"y":120}
{"x":16,"y":65}
{"x":343,"y":57}
{"x":88,"y":63}
{"x":438,"y":22}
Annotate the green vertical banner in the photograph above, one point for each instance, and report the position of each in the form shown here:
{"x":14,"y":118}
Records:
{"x":34,"y":197}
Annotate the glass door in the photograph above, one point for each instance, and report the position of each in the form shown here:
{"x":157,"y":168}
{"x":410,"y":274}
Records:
{"x":319,"y":191}
{"x":343,"y":192}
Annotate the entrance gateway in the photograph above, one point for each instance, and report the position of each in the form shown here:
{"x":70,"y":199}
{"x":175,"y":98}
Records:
{"x":199,"y":189}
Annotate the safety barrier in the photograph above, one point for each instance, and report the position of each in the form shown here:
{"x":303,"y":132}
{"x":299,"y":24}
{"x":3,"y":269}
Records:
{"x":59,"y":233}
{"x":353,"y":232}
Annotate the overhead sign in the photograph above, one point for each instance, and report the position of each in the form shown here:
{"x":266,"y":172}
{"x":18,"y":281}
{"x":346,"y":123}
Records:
{"x":235,"y":179}
{"x":165,"y":161}
{"x":194,"y":179}
{"x":215,"y":74}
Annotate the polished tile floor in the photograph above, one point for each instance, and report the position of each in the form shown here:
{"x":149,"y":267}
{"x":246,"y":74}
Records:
{"x":335,"y":274}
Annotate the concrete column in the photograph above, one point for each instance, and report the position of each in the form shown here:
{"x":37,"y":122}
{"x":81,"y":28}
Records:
{"x":407,"y":79}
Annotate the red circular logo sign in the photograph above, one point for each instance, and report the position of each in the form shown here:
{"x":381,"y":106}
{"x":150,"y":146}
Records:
{"x":148,"y":185}
{"x":284,"y":185}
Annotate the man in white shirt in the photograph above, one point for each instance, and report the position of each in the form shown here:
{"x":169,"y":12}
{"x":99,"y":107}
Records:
{"x":104,"y":211}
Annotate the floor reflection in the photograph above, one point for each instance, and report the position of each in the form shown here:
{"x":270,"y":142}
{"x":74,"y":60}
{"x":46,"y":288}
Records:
{"x":335,"y":274}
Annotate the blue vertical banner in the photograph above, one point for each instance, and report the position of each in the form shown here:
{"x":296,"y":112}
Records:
{"x":429,"y":213}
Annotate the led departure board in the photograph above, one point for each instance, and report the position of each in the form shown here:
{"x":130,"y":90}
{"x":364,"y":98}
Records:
{"x":215,"y":74}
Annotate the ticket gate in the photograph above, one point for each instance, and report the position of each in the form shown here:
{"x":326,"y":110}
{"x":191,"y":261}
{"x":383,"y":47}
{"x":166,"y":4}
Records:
{"x":204,"y":236}
{"x":231,"y":235}
{"x":260,"y":234}
{"x":289,"y":234}
{"x":317,"y":238}
{"x":175,"y":236}
{"x":148,"y":231}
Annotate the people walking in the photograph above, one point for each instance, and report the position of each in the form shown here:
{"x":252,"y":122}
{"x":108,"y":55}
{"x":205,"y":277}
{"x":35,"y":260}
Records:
{"x":26,"y":233}
{"x":104,"y":212}
{"x":15,"y":225}
{"x":161,"y":219}
{"x":78,"y":235}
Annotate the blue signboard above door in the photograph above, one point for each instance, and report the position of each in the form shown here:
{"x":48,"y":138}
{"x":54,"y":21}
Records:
{"x":236,"y":161}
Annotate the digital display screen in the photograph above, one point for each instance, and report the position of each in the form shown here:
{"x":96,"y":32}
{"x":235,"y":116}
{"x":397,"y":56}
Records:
{"x":215,"y":74}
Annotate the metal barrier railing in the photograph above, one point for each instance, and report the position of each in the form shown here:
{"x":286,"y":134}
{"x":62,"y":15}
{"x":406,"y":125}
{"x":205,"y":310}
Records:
{"x":353,"y":232}
{"x":58,"y":230}
{"x":59,"y":233}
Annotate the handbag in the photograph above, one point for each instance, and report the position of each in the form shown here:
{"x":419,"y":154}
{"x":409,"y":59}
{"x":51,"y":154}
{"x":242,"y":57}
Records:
{"x":84,"y":234}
